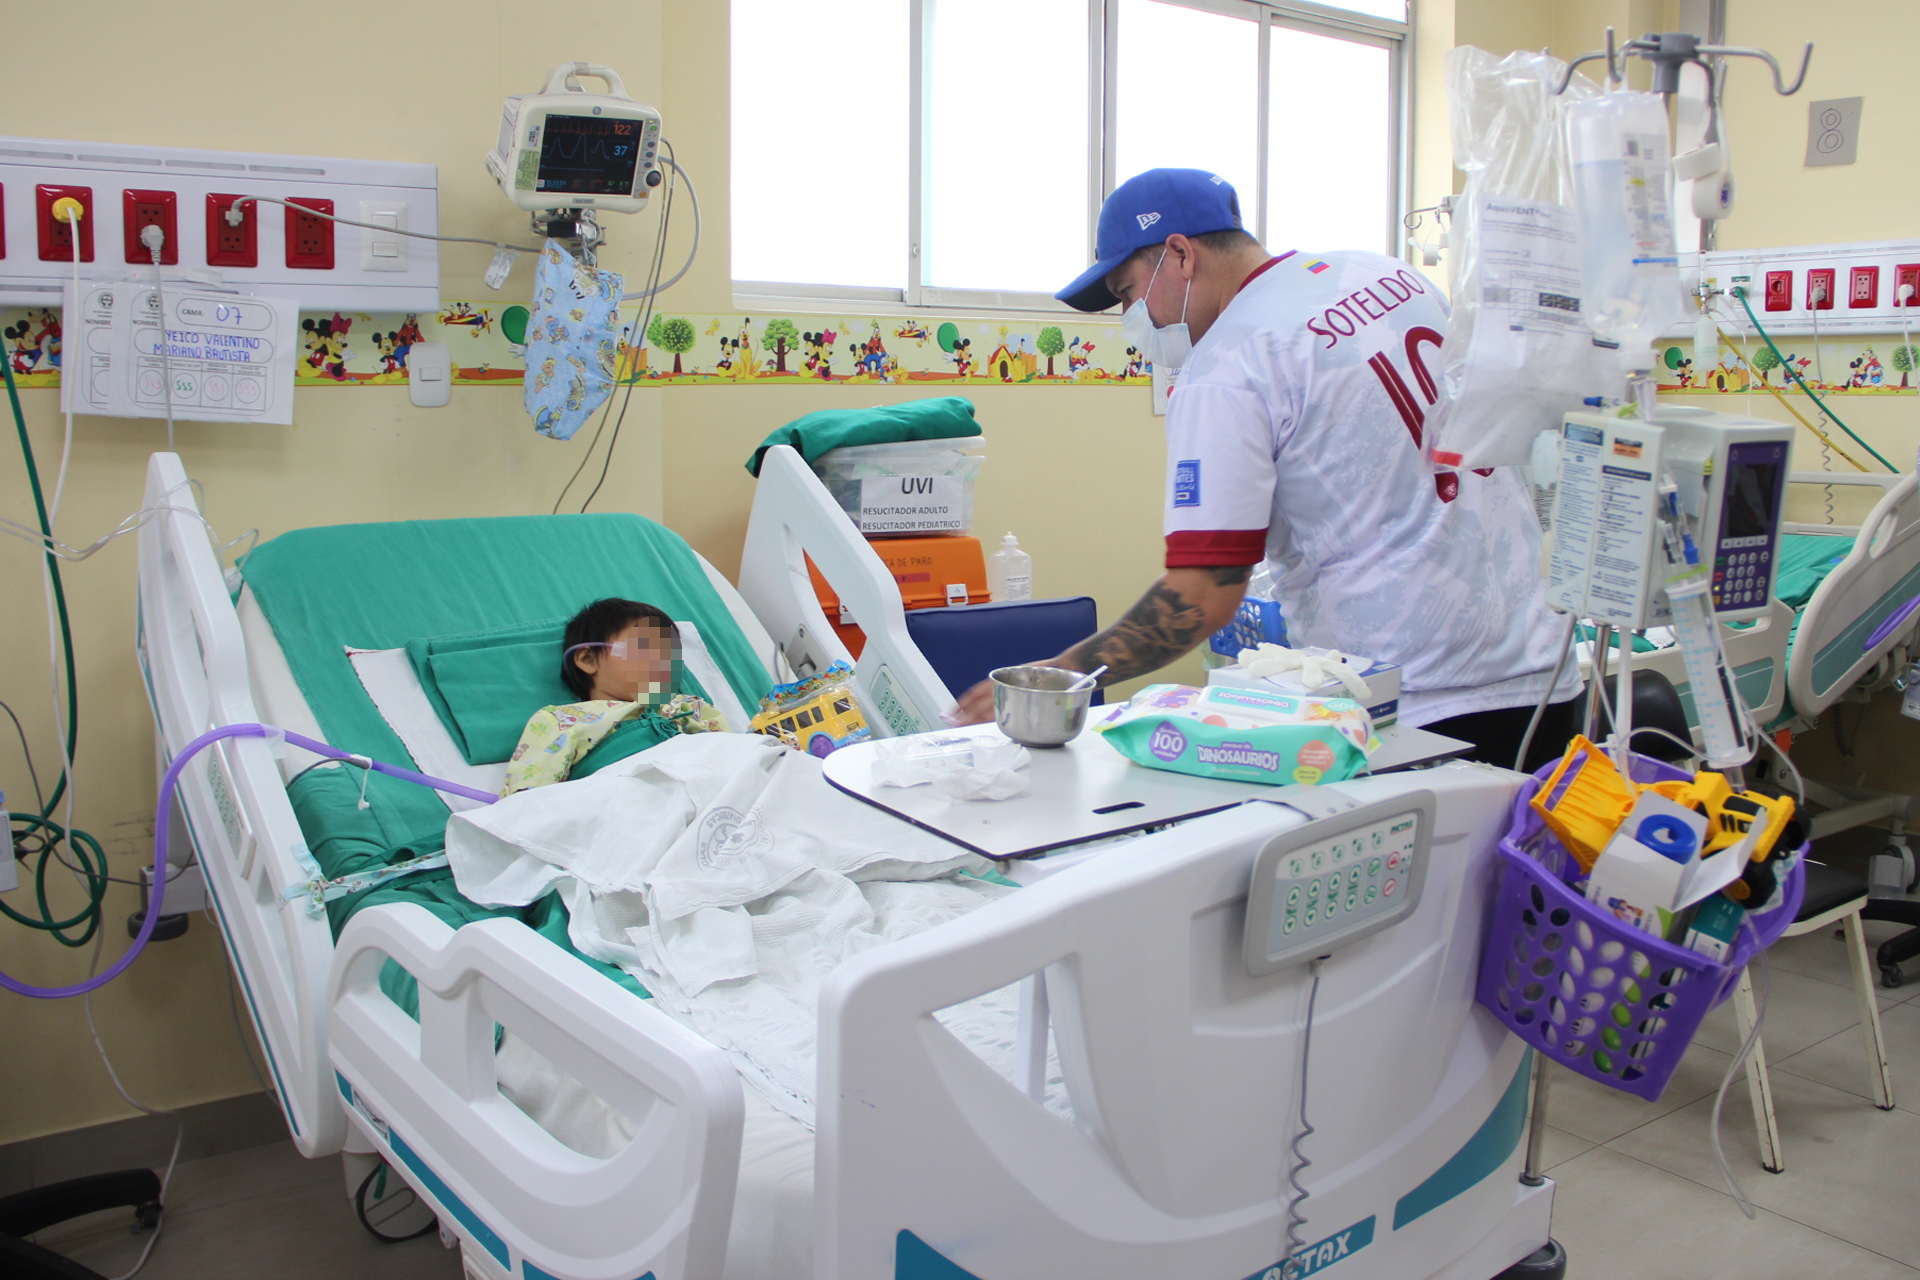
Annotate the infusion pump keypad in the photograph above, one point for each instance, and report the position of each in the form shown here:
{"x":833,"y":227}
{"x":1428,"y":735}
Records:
{"x":1338,"y":879}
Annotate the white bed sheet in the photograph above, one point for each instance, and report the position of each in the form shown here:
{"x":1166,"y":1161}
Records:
{"x":772,"y":1233}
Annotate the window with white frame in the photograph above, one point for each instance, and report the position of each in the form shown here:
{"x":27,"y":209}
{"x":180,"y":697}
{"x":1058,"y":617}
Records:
{"x":955,"y":153}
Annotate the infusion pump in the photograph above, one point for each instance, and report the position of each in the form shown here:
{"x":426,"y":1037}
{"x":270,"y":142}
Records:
{"x":1730,"y":473}
{"x":565,"y":148}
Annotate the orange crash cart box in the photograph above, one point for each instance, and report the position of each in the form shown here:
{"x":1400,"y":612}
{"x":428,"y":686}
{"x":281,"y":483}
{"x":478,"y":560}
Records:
{"x":932,"y":572}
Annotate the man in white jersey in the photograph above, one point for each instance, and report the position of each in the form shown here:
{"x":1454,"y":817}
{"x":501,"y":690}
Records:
{"x":1293,"y":436}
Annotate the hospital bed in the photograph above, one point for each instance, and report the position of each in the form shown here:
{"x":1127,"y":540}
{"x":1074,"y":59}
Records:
{"x":1842,"y":624}
{"x":1136,"y":1124}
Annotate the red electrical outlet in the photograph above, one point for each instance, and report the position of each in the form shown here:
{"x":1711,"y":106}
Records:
{"x":309,"y":239}
{"x":1863,"y":286}
{"x":1779,"y":290}
{"x":142,"y":209}
{"x":229,"y":245}
{"x":56,"y":237}
{"x":1907,"y":275}
{"x":1820,"y":289}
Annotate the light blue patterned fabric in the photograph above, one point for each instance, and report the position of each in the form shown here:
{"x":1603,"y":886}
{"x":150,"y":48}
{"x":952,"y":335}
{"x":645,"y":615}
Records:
{"x":572,"y":341}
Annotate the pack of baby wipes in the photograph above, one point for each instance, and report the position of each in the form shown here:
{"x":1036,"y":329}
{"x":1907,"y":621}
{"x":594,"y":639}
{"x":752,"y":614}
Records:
{"x":1247,"y":735}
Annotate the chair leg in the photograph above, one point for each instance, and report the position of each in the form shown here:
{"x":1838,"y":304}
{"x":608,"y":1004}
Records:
{"x":1759,"y":1087}
{"x":1869,"y":1013}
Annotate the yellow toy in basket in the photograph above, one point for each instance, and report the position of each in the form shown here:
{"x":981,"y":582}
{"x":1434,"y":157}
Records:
{"x":1592,"y":807}
{"x":1597,"y":800}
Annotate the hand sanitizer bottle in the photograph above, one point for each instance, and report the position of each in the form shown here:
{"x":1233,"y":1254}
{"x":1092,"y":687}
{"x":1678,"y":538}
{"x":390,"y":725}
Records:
{"x":1010,"y":572}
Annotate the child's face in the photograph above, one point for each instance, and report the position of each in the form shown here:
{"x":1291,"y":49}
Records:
{"x":635,"y":666}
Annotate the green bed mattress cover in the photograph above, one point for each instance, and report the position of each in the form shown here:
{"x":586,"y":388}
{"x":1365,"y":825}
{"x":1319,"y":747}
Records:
{"x":381,"y":586}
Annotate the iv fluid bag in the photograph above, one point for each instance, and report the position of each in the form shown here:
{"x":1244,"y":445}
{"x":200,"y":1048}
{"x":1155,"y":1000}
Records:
{"x":1623,"y":191}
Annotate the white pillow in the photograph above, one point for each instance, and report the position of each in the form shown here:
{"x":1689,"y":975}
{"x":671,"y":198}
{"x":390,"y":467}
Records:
{"x":390,"y":680}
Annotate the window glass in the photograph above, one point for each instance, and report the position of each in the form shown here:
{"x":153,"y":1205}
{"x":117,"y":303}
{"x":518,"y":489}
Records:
{"x":1188,"y":95}
{"x":1330,"y":140}
{"x":1395,"y":9}
{"x":1006,"y":200}
{"x":820,"y":142}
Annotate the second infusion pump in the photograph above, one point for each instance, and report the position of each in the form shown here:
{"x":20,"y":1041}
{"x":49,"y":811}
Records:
{"x":1731,"y":474}
{"x":565,"y":148}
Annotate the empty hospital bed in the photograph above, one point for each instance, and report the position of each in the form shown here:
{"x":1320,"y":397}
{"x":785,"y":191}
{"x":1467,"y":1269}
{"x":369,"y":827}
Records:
{"x":1137,"y":1125}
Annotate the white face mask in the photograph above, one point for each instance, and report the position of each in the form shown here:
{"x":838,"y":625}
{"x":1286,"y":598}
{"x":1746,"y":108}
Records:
{"x":1164,"y":346}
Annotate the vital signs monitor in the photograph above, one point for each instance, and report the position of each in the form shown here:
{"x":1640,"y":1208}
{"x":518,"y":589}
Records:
{"x":565,"y":148}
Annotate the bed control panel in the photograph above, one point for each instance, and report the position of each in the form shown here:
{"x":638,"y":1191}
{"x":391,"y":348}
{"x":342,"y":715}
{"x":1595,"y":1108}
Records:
{"x":1336,"y":880}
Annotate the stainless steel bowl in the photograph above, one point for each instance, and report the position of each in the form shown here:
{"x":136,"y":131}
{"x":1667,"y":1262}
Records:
{"x":1031,"y":705}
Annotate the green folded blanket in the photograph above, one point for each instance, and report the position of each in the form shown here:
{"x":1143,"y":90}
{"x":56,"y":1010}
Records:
{"x":939,"y":418}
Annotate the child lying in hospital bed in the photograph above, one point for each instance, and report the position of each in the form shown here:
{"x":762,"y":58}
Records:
{"x":619,"y":657}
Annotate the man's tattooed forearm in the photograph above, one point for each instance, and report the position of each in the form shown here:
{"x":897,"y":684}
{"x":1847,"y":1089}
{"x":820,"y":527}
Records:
{"x":1160,"y":627}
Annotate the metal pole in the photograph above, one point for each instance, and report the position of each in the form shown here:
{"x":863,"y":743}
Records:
{"x":1537,"y":1121}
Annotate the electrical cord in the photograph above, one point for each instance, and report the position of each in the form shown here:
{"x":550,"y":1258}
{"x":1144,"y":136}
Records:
{"x":1733,"y":1068}
{"x":1826,"y":440}
{"x":233,"y":1007}
{"x":627,"y":371}
{"x":154,"y":238}
{"x":373,"y":1229}
{"x":1553,"y":682}
{"x":27,"y":753}
{"x":69,"y":394}
{"x":1296,"y":1219}
{"x":235,"y":218}
{"x":180,"y":1124}
{"x":1740,"y":350}
{"x":644,"y":323}
{"x":53,"y":567}
{"x":1739,"y":294}
{"x":693,"y":194}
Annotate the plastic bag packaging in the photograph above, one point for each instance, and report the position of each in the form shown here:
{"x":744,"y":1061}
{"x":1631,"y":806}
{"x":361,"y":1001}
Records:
{"x":924,"y":758}
{"x":1247,"y":735}
{"x":1517,"y":353}
{"x":1623,"y":182}
{"x":817,"y":715}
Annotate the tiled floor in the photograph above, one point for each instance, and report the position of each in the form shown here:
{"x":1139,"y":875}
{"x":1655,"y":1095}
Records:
{"x":1638,"y":1193}
{"x":1641,"y":1175}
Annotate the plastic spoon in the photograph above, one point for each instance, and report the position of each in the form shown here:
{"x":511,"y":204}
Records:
{"x":1087,"y":680}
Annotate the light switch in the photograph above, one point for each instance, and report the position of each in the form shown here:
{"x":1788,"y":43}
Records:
{"x":383,"y":252}
{"x":430,"y":374}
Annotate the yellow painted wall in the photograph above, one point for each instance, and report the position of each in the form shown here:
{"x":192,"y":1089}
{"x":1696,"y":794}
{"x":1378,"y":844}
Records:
{"x":420,"y":81}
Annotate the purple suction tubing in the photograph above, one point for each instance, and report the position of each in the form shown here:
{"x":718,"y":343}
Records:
{"x":161,"y":824}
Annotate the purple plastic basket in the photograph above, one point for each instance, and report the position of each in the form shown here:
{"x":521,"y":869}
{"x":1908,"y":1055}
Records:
{"x":1590,"y":991}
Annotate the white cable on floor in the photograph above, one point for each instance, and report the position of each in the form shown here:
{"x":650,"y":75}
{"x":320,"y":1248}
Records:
{"x":180,"y":1130}
{"x":1765,"y":986}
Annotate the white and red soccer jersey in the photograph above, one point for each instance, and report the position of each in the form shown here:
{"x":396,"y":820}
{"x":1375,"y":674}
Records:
{"x":1294,"y":435}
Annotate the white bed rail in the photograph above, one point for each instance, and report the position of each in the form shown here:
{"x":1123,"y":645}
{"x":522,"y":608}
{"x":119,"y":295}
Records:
{"x":195,"y":665}
{"x":1757,"y":656}
{"x":795,"y":517}
{"x":428,"y":1097}
{"x":1868,"y":606}
{"x":1181,"y":1073}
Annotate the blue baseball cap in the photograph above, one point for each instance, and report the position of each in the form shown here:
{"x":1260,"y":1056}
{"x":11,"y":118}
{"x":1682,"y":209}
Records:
{"x":1144,"y":210}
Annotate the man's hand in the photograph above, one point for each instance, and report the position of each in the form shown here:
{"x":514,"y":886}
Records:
{"x":1177,"y":613}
